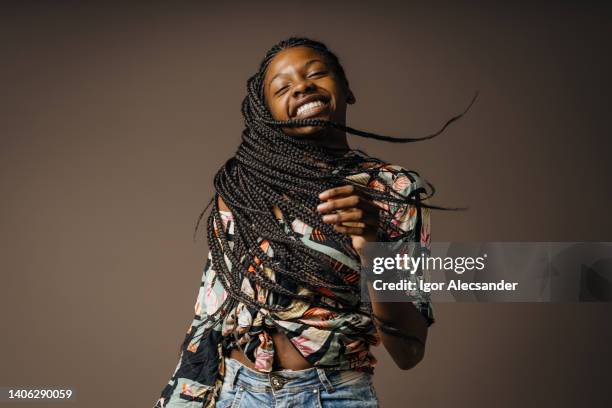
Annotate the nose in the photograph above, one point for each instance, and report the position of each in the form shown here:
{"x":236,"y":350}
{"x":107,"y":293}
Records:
{"x":302,"y":87}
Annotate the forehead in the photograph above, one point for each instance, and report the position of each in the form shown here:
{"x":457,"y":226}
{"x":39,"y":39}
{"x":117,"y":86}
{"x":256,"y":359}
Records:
{"x":291,"y":59}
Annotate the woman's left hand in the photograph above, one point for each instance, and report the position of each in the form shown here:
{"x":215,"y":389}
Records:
{"x":355,"y":214}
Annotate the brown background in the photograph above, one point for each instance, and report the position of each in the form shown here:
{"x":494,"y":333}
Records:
{"x":115,"y":118}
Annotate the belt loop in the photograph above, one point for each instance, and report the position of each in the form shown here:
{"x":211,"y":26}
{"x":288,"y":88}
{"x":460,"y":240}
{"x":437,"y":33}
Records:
{"x":231,"y":372}
{"x":325,"y":380}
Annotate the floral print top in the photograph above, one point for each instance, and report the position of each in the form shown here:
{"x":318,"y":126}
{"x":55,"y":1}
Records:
{"x":333,"y":340}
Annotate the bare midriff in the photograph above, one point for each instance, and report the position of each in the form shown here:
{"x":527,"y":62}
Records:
{"x":285,"y":354}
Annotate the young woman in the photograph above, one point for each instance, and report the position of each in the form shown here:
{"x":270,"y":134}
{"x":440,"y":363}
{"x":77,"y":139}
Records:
{"x":279,"y":319}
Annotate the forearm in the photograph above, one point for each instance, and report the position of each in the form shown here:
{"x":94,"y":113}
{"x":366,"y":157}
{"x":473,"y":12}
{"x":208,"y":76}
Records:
{"x":405,"y":341}
{"x":407,"y":346}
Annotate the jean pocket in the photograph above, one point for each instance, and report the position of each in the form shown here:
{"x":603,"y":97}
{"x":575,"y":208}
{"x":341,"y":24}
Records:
{"x":352,"y":379}
{"x":358,"y":395}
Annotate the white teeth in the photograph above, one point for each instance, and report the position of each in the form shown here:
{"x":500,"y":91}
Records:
{"x":309,"y":106}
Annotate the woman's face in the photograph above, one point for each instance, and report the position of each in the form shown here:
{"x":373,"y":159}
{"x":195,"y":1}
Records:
{"x":300,"y":84}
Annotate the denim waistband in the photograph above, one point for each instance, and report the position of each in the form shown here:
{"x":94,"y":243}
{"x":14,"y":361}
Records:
{"x":288,"y":380}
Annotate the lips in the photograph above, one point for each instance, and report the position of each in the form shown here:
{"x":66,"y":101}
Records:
{"x":310,"y":106}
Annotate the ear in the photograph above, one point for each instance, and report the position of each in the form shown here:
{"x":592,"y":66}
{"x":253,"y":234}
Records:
{"x":350,"y":98}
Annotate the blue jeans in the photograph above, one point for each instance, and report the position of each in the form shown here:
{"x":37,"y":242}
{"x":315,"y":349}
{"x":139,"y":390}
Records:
{"x":313,"y":387}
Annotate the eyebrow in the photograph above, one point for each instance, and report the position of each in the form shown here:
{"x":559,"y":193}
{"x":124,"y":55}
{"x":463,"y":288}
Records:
{"x":306,"y":65}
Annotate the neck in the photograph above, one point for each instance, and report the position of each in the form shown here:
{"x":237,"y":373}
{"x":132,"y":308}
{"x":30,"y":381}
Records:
{"x":333,"y":140}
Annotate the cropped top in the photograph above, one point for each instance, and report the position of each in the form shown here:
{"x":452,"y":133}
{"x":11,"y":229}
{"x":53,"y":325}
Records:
{"x":325,"y":338}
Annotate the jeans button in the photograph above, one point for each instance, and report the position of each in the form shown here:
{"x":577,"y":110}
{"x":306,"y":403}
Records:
{"x":277,"y":382}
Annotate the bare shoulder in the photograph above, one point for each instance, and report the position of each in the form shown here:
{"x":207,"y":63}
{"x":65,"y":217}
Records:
{"x":222,"y":205}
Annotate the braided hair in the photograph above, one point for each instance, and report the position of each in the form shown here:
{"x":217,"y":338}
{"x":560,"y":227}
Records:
{"x":271,"y":168}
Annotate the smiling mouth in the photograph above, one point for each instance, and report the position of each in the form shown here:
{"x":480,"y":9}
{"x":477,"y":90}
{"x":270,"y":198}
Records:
{"x":311,"y":109}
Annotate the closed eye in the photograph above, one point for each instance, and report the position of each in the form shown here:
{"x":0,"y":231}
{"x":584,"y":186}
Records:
{"x":317,"y":73}
{"x":281,"y":90}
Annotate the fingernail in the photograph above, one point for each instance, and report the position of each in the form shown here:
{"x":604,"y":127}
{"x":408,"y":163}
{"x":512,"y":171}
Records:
{"x":323,"y":195}
{"x":329,"y":218}
{"x":322,"y":207}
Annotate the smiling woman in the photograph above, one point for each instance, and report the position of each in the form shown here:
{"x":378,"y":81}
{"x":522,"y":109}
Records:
{"x":323,"y":88}
{"x":279,"y":319}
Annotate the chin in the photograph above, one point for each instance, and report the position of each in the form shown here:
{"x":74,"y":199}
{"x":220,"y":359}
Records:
{"x":309,"y":131}
{"x":313,"y":130}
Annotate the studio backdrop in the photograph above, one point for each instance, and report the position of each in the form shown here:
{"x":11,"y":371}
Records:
{"x":115,"y":117}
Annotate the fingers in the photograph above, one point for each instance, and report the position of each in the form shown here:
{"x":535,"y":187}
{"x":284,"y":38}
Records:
{"x":351,"y":208}
{"x":349,"y":230}
{"x":350,"y":211}
{"x":353,"y":217}
{"x":352,"y":201}
{"x":337,"y":191}
{"x":346,"y":204}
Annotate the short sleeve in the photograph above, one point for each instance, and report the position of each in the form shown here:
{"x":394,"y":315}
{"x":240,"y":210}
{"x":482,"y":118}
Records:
{"x":411,"y":223}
